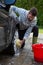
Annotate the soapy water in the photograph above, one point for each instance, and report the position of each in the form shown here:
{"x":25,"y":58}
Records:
{"x":17,"y":53}
{"x":17,"y":50}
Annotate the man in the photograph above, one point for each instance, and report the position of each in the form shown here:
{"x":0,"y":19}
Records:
{"x":26,"y":23}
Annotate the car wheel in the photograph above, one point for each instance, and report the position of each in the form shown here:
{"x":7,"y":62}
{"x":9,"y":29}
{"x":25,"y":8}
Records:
{"x":9,"y":50}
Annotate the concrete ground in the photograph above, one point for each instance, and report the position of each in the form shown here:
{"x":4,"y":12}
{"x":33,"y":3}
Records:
{"x":26,"y":56}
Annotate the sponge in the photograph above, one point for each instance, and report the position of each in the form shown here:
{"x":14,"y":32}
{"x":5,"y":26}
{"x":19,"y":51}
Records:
{"x":18,"y":44}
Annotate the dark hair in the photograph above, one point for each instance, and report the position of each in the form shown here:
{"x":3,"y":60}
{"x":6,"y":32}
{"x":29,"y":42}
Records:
{"x":33,"y":11}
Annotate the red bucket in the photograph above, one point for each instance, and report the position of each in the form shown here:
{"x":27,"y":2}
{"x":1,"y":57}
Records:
{"x":38,"y":52}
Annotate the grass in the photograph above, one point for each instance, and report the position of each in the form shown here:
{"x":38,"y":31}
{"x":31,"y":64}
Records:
{"x":40,"y":30}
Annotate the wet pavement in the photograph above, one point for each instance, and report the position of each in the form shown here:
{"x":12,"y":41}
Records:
{"x":26,"y":56}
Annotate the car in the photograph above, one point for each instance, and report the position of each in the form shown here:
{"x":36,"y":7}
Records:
{"x":7,"y":28}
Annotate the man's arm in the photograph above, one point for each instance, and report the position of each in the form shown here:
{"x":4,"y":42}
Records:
{"x":15,"y":9}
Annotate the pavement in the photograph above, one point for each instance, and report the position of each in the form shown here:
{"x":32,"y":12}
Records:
{"x":40,"y":36}
{"x":26,"y":56}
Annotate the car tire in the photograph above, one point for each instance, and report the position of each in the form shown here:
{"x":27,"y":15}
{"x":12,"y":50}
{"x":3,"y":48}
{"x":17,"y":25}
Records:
{"x":9,"y":50}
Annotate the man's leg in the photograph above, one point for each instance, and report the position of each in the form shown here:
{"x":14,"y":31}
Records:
{"x":35,"y":34}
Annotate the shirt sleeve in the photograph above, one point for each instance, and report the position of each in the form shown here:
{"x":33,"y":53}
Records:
{"x":28,"y":31}
{"x":17,"y":10}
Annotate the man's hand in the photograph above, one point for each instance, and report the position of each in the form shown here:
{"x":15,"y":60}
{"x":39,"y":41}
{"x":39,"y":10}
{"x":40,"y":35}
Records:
{"x":22,"y":41}
{"x":19,"y":42}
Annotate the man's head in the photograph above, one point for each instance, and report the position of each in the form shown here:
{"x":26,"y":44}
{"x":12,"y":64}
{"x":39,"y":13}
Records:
{"x":32,"y":13}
